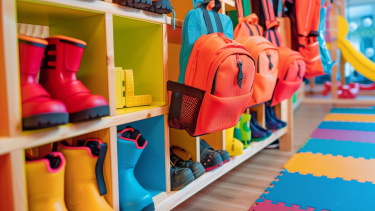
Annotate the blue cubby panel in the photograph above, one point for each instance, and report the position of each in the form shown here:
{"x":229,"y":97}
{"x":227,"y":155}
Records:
{"x":150,"y":169}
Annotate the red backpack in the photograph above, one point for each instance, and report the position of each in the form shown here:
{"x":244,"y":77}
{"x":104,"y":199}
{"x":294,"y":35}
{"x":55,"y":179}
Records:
{"x":218,"y":86}
{"x":292,"y":66}
{"x":266,"y":59}
{"x":247,"y":26}
{"x":291,"y":72}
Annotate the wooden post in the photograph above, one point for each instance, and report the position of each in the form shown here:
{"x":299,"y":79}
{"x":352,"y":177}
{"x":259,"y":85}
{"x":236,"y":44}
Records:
{"x":333,"y":50}
{"x":110,"y":63}
{"x":286,"y":114}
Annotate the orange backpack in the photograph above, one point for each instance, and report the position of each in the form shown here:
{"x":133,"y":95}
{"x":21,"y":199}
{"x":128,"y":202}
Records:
{"x":291,"y":72}
{"x":247,"y":26}
{"x":266,"y":64}
{"x":218,"y":86}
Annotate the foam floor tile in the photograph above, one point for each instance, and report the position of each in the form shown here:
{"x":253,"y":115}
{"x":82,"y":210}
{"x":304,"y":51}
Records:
{"x":350,"y":118}
{"x":267,"y":205}
{"x":353,"y":111}
{"x":321,"y":193}
{"x":345,"y":135}
{"x":359,"y":126}
{"x":344,"y":148}
{"x":348,"y":168}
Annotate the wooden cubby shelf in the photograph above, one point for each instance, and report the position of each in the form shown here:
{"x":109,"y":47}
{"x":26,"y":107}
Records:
{"x":30,"y":139}
{"x":116,"y":36}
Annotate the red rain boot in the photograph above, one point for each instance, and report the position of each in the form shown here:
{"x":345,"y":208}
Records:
{"x":38,"y":109}
{"x":58,"y":76}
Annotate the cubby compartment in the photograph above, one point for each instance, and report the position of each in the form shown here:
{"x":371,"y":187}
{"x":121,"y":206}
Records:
{"x":150,"y":170}
{"x":102,"y":135}
{"x":138,"y":46}
{"x":85,"y":25}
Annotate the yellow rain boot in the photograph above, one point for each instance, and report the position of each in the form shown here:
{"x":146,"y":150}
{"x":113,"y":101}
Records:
{"x":45,"y":182}
{"x":84,"y":164}
{"x":232,"y":145}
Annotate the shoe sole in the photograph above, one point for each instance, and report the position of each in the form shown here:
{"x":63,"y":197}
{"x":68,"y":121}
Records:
{"x":183,"y":182}
{"x":88,"y":114}
{"x":150,"y":207}
{"x":44,"y":120}
{"x":214,"y":167}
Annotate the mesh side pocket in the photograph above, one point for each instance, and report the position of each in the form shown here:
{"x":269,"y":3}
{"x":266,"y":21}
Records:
{"x":185,"y":104}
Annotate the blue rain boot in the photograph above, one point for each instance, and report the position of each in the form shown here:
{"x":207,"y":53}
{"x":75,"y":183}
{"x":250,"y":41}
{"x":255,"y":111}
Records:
{"x":271,"y":114}
{"x":256,"y":133}
{"x":133,"y":197}
{"x":271,"y":123}
{"x":254,"y":120}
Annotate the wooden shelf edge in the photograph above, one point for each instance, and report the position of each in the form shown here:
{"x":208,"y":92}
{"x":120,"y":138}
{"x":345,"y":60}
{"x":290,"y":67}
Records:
{"x":107,"y":7}
{"x":229,"y":2}
{"x":177,"y":197}
{"x":33,"y":139}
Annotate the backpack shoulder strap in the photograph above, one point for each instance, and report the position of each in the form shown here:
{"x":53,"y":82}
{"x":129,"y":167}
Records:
{"x":207,"y":18}
{"x":239,"y":9}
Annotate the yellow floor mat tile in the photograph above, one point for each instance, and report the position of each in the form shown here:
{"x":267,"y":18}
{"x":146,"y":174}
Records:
{"x":348,"y":168}
{"x":350,"y":118}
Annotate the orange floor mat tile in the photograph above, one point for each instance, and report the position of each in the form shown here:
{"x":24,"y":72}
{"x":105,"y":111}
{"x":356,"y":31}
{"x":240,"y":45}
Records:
{"x":348,"y":168}
{"x":350,"y":118}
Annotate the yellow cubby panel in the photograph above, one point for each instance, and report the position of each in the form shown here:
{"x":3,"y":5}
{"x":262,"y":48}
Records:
{"x":120,"y":87}
{"x":138,"y":46}
{"x":215,"y":140}
{"x":183,"y":140}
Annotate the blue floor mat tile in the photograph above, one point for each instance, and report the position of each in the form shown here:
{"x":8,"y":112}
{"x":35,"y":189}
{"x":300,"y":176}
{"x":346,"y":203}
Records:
{"x":360,"y":126}
{"x":321,"y":193}
{"x":344,"y":148}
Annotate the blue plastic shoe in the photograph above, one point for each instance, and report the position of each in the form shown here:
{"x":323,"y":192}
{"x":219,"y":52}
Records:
{"x":254,"y":120}
{"x":133,"y":197}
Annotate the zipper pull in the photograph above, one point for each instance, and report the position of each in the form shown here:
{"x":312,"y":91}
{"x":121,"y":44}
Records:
{"x":299,"y":69}
{"x":271,"y":65}
{"x":240,"y":73}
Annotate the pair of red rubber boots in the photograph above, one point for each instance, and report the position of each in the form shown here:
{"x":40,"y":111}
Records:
{"x":58,"y":97}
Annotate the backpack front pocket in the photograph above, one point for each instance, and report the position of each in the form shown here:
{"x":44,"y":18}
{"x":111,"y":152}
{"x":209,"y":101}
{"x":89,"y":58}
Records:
{"x":219,"y":113}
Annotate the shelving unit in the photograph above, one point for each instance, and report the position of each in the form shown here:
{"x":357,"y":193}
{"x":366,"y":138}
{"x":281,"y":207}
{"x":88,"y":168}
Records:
{"x":116,"y":36}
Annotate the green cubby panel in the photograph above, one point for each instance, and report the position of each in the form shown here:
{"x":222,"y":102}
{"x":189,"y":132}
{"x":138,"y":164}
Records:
{"x":150,"y":170}
{"x":85,"y":25}
{"x":138,"y":45}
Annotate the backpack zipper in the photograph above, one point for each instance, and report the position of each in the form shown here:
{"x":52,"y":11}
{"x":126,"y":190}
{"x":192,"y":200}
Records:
{"x":221,"y":59}
{"x":299,"y":69}
{"x":225,"y":38}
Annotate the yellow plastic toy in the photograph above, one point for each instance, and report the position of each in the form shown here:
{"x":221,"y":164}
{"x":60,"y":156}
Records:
{"x":120,"y":87}
{"x":125,"y":90}
{"x":359,"y":61}
{"x":232,"y":145}
{"x":81,"y":188}
{"x":45,"y":186}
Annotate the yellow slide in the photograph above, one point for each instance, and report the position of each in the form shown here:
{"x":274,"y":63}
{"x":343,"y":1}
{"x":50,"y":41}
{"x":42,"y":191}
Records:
{"x":359,"y":61}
